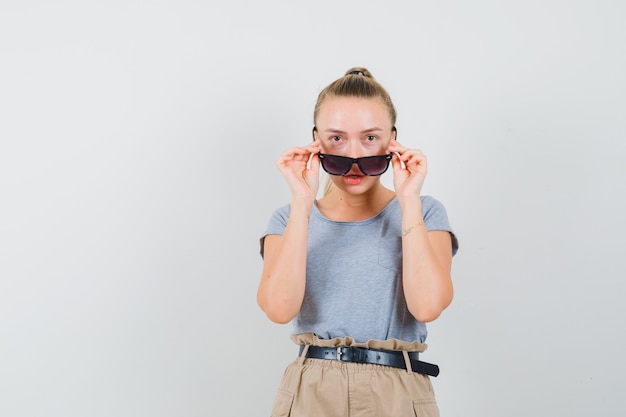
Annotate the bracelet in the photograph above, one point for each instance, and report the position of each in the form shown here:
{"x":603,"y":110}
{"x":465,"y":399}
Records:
{"x":408,"y":230}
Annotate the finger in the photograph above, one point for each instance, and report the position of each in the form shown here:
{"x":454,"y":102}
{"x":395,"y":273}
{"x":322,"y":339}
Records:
{"x":411,"y":155}
{"x":314,"y":163}
{"x":414,"y":164}
{"x":417,"y":165}
{"x":395,"y":146}
{"x":314,"y":147}
{"x":291,"y":156}
{"x":297,"y":153}
{"x":417,"y":158}
{"x":396,"y":162}
{"x":403,"y":154}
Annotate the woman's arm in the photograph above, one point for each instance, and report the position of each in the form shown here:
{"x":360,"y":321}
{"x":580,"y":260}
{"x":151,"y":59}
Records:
{"x":283,"y":279}
{"x":426,"y":265}
{"x":426,"y":256}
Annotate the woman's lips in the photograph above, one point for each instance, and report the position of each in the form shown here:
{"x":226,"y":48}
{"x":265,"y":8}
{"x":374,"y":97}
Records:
{"x":353,"y":179}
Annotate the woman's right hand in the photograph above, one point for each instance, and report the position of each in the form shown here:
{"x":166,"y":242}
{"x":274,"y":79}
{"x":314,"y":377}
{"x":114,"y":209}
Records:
{"x":303,"y":180}
{"x":283,"y":281}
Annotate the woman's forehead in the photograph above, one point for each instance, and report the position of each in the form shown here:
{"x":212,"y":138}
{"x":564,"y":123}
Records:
{"x":340,"y":113}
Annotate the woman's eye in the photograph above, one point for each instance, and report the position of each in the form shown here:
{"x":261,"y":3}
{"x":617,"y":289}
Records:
{"x":370,"y":138}
{"x":335,"y":138}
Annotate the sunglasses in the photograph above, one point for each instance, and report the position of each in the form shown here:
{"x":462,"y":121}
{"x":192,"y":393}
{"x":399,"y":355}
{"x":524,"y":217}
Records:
{"x":341,"y":165}
{"x":372,"y":166}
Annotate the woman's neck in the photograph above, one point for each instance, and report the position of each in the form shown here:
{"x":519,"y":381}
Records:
{"x":341,"y":206}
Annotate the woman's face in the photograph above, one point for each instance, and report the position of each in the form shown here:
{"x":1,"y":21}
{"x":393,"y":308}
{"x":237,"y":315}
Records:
{"x":353,"y":126}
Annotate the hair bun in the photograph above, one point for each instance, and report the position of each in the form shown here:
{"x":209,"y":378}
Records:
{"x":359,"y":71}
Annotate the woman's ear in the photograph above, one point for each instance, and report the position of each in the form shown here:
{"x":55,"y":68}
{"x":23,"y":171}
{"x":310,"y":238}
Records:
{"x":395,"y":133}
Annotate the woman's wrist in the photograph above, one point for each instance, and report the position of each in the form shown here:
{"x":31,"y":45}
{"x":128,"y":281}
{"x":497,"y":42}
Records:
{"x":410,"y":204}
{"x":301,"y":205}
{"x":411,"y":214}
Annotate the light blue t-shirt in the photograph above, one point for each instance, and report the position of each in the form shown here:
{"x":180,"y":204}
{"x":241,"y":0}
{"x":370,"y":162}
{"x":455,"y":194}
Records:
{"x":354,"y":274}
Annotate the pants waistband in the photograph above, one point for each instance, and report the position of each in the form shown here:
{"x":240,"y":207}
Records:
{"x":391,"y":358}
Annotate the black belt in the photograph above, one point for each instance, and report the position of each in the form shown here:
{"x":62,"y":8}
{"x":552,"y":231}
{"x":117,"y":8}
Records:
{"x":381,"y":357}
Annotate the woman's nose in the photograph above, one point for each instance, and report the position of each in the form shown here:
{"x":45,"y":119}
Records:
{"x":354,"y":149}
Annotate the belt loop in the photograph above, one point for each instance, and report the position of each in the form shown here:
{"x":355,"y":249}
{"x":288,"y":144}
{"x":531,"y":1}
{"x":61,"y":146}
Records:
{"x":302,"y":357}
{"x":407,"y":361}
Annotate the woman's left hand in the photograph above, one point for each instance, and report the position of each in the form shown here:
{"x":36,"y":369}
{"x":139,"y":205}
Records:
{"x":409,"y":169}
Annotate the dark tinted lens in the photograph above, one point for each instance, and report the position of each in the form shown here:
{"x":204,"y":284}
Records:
{"x":336,"y":165}
{"x":374,"y":165}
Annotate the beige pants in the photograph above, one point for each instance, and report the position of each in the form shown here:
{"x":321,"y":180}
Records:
{"x":328,"y":388}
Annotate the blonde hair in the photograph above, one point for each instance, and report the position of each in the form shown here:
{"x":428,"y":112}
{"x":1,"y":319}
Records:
{"x":356,"y":82}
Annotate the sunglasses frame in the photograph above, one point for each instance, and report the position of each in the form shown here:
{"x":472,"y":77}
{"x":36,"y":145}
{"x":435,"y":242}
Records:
{"x":356,"y":161}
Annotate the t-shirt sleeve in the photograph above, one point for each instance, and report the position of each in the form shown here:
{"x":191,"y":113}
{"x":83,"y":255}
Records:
{"x":276,"y":224}
{"x":436,"y":218}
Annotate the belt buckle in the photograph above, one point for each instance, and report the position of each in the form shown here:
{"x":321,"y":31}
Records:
{"x":351,"y":354}
{"x":340,"y":354}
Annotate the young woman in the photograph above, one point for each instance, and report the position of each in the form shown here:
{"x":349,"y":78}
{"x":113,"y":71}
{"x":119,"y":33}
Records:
{"x":361,"y":270}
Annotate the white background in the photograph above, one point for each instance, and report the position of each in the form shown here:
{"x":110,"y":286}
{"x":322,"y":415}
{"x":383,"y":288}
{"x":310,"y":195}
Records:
{"x":138,"y":141}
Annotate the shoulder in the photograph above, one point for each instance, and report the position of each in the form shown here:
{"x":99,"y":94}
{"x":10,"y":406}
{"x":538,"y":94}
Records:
{"x":434,"y":213}
{"x":432,"y":206}
{"x":278,"y":220}
{"x":281,"y":213}
{"x":430,"y":201}
{"x":436,"y":218}
{"x":283,"y":210}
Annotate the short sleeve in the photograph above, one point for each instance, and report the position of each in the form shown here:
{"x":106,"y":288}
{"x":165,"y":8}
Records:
{"x":276,"y":224}
{"x":436,"y":218}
